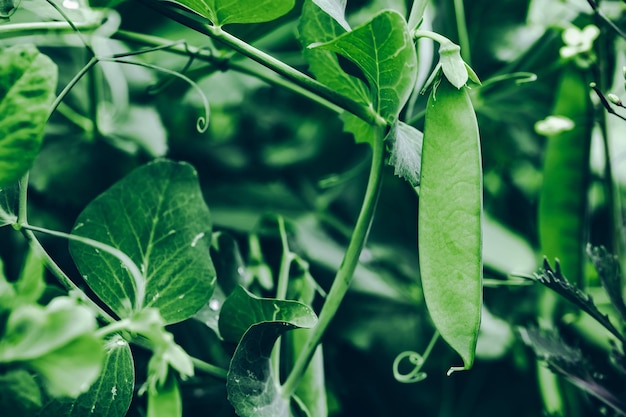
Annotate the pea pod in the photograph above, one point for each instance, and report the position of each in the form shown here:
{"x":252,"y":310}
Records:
{"x":449,"y":219}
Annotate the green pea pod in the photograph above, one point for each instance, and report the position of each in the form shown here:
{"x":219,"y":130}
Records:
{"x":449,"y":219}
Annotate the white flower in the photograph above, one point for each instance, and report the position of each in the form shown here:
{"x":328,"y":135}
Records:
{"x":578,"y":41}
{"x":553,"y":125}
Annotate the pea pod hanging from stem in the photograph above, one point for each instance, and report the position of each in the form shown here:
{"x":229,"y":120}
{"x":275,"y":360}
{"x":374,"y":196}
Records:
{"x":449,"y":219}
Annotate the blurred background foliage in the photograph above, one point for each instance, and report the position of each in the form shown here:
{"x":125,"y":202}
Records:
{"x":269,"y":151}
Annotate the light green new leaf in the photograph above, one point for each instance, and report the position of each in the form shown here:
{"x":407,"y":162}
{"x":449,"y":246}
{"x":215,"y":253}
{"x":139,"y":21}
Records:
{"x":449,"y":219}
{"x":242,"y":309}
{"x":33,"y":331}
{"x":157,"y":216}
{"x":383,"y":49}
{"x":251,"y":385}
{"x":57,"y":342}
{"x":28,"y":81}
{"x":109,"y":395}
{"x":223,"y":12}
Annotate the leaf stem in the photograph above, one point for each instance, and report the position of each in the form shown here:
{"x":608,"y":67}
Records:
{"x":461,"y":25}
{"x":217,"y":33}
{"x":344,"y":275}
{"x":133,"y":270}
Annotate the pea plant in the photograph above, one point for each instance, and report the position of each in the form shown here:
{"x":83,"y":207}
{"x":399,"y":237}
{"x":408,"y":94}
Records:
{"x":234,"y":206}
{"x":143,"y":248}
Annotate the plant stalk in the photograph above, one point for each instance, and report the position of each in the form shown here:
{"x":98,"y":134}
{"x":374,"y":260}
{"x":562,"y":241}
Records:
{"x":344,"y":275}
{"x":203,"y":26}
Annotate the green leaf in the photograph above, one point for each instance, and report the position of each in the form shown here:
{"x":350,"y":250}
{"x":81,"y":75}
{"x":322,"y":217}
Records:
{"x":243,"y":309}
{"x":563,"y":197}
{"x":110,"y":395}
{"x":157,"y":216}
{"x":27,"y":88}
{"x":57,"y":342}
{"x":72,"y":369}
{"x":252,"y":388}
{"x":406,"y":152}
{"x":449,"y":219}
{"x":223,"y":12}
{"x":383,"y":49}
{"x":317,"y":26}
{"x":166,"y":400}
{"x":19,"y":394}
{"x":33,"y":331}
{"x":31,"y":285}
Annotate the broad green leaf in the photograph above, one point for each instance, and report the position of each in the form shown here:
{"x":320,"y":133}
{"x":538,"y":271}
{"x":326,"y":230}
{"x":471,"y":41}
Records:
{"x":406,"y":152}
{"x":242,"y":309}
{"x":335,"y":9}
{"x":157,"y":216}
{"x":383,"y":49}
{"x":317,"y":26}
{"x":449,"y":219}
{"x":19,"y":394}
{"x":252,"y":387}
{"x":223,"y":12}
{"x":563,"y":195}
{"x":110,"y":394}
{"x":27,"y":88}
{"x":165,"y":401}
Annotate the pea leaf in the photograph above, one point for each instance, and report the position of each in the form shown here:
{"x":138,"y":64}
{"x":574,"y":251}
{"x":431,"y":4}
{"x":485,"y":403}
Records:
{"x":110,"y":394}
{"x":449,"y":219}
{"x":223,"y":12}
{"x":252,"y":388}
{"x":383,"y":49}
{"x":57,"y":342}
{"x":242,"y":309}
{"x":317,"y":26}
{"x":563,"y":200}
{"x":157,"y":216}
{"x":27,"y":88}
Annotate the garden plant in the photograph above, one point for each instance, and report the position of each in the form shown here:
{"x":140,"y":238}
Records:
{"x":312,"y":208}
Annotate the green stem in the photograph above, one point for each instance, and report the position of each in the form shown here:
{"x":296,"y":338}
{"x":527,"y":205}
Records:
{"x":22,"y":211}
{"x":344,"y":275}
{"x":132,"y":268}
{"x":283,"y":283}
{"x":209,"y":369}
{"x":461,"y":25}
{"x":69,"y":285}
{"x":365,"y":113}
{"x":208,"y":56}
